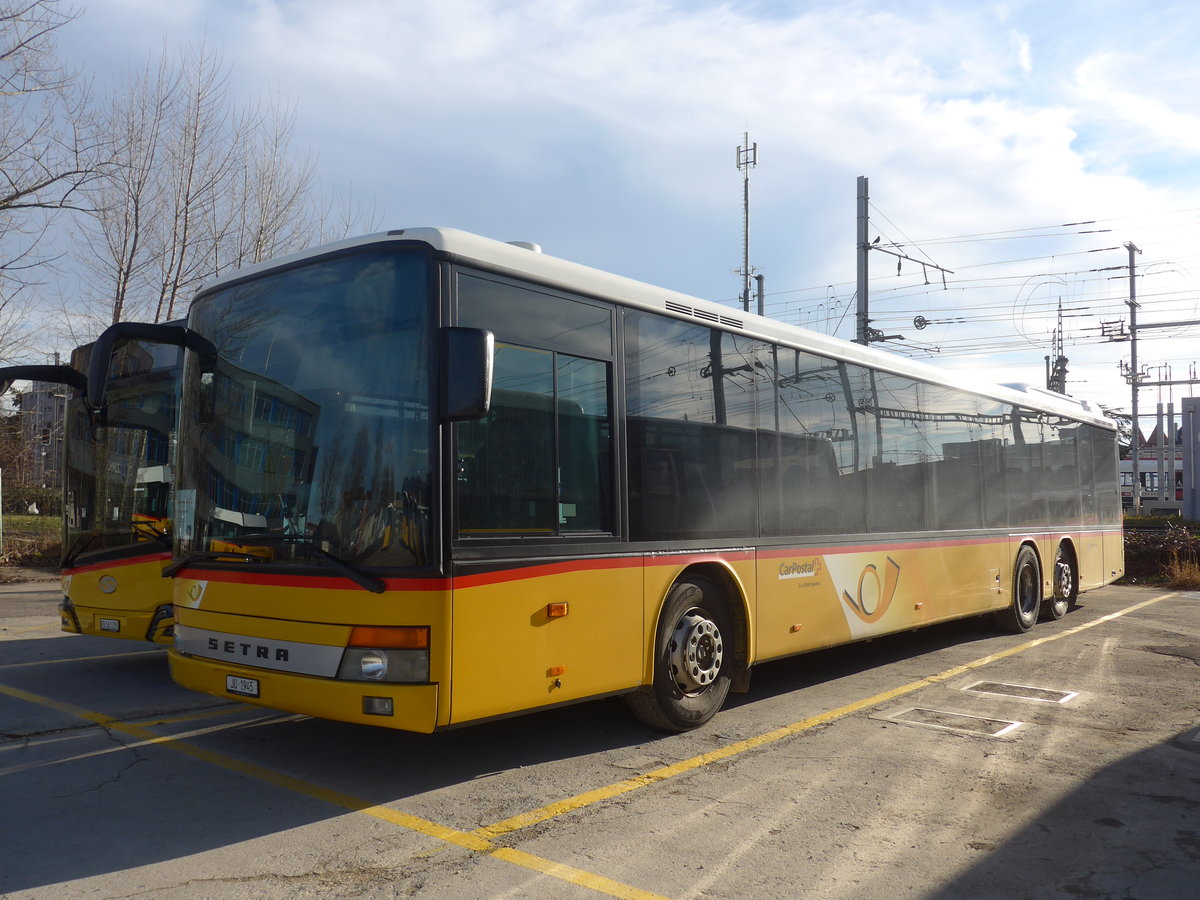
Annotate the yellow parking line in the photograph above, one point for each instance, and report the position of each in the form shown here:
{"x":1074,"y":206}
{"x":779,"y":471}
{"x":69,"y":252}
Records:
{"x":405,"y":820}
{"x":588,"y":798}
{"x":69,"y":659}
{"x":155,"y":721}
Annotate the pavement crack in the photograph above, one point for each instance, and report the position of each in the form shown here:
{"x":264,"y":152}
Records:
{"x":136,"y":758}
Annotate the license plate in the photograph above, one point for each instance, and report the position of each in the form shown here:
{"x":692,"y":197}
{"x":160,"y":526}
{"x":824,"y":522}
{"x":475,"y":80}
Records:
{"x":110,"y":624}
{"x":246,"y":687}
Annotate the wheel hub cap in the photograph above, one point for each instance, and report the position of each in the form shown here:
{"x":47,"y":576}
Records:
{"x":696,"y":652}
{"x":1064,"y":580}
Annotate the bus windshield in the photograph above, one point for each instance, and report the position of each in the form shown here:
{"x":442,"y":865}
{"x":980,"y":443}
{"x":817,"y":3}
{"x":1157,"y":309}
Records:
{"x":309,"y":436}
{"x":118,"y":466}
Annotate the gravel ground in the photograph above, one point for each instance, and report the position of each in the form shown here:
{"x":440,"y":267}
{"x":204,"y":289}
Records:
{"x":22,"y":575}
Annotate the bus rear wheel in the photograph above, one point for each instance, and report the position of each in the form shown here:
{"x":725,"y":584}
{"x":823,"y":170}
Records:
{"x":693,"y":658}
{"x":1066,"y":585}
{"x":1022,"y":612}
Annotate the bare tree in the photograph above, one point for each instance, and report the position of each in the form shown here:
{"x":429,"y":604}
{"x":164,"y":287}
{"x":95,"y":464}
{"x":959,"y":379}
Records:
{"x":128,"y":199}
{"x":202,"y":154}
{"x":49,"y":150}
{"x":270,"y":209}
{"x":201,"y":185}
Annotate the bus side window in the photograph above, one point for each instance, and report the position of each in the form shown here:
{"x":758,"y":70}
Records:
{"x":539,"y":461}
{"x":659,"y":494}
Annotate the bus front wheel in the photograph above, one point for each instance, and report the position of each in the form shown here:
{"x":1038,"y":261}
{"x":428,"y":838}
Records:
{"x":693,"y":658}
{"x":1022,"y":612}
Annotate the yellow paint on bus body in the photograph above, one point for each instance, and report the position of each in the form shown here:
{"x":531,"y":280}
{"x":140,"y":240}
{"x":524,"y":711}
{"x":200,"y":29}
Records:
{"x":301,"y":614}
{"x":495,"y":650}
{"x":118,"y":600}
{"x":510,"y":655}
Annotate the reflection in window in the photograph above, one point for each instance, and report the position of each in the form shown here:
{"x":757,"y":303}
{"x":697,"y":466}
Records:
{"x":118,"y":472}
{"x":694,"y":396}
{"x":535,"y":318}
{"x":540,"y":462}
{"x":315,"y":424}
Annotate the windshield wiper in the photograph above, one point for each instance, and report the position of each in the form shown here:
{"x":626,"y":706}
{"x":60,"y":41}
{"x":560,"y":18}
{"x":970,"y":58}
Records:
{"x":363,"y":580}
{"x":202,"y":555}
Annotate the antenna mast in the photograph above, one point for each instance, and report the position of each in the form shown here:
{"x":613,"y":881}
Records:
{"x":747,"y":159}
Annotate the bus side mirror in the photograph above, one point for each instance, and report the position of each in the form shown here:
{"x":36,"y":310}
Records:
{"x":156,"y":333}
{"x":466,"y":373}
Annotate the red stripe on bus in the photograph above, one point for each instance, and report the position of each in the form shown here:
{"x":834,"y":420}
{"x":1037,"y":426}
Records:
{"x":521,"y":572}
{"x":517,"y":573}
{"x":320,"y":582}
{"x":585,"y":565}
{"x":161,"y":556}
{"x":541,"y":570}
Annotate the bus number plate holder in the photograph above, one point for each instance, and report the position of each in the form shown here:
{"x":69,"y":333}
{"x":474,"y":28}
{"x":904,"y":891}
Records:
{"x":245,"y":687}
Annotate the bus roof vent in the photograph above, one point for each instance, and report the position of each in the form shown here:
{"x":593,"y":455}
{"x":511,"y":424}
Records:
{"x":703,"y":314}
{"x":527,"y":245}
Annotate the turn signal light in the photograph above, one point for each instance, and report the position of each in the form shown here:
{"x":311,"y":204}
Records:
{"x":556,"y":610}
{"x":406,"y":638}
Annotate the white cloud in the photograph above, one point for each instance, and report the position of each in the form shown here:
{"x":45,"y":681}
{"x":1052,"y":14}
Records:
{"x":606,"y":130}
{"x":1024,"y":54}
{"x":1138,"y":121}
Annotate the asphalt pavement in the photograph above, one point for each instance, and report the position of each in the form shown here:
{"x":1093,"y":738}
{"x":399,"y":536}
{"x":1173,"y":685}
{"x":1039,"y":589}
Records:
{"x":950,"y":762}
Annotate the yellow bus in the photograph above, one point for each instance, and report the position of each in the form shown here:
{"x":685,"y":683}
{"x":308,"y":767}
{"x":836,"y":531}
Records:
{"x":491,"y":481}
{"x":116,"y":491}
{"x":117,"y":494}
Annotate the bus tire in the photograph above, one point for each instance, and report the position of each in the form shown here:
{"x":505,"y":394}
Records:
{"x":1066,"y":585}
{"x":694,"y":658}
{"x":1022,"y":612}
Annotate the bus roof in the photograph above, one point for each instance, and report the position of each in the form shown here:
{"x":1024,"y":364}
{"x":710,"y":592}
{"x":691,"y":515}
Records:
{"x":519,"y":260}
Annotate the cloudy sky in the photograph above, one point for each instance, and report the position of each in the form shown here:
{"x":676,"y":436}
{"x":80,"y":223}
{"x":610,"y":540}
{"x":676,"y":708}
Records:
{"x":607,"y":130}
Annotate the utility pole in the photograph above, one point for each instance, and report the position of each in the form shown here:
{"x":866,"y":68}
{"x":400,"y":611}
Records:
{"x":861,"y":335}
{"x":863,"y":332}
{"x":747,"y":159}
{"x":1056,"y":372}
{"x":1134,"y":377}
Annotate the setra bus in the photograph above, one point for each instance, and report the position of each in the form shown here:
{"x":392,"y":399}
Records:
{"x":428,"y":479}
{"x":117,"y":484}
{"x":117,"y":491}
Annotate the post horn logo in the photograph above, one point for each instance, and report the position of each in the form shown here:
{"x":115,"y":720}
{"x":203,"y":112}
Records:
{"x":874,"y":597}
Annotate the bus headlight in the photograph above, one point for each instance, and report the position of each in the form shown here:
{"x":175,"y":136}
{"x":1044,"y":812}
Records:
{"x":377,"y":664}
{"x":392,"y":654}
{"x":373,"y":664}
